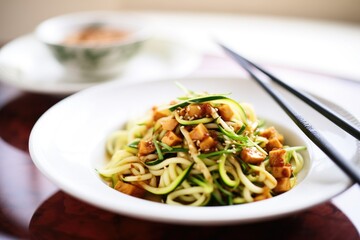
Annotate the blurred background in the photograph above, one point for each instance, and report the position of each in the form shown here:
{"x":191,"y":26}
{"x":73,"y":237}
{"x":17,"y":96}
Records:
{"x":18,"y":17}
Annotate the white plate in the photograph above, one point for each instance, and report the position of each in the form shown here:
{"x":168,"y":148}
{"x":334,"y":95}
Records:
{"x":27,"y":64}
{"x":67,"y":145}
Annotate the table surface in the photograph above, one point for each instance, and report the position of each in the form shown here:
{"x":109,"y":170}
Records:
{"x":32,"y":207}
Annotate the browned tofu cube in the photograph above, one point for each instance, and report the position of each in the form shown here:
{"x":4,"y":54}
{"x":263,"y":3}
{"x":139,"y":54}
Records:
{"x":281,"y":172}
{"x":129,"y":189}
{"x":157,"y":114}
{"x":171,"y":139}
{"x":199,"y":132}
{"x":206,"y":109}
{"x":277,"y":157}
{"x":283,"y":185}
{"x":207,"y":144}
{"x":146,"y":147}
{"x":273,"y":143}
{"x":271,"y":132}
{"x":169,"y":124}
{"x":194,"y":111}
{"x":225,"y":112}
{"x":268,"y":133}
{"x":252,"y":155}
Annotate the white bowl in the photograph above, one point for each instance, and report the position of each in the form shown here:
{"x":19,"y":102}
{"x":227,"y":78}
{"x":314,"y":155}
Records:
{"x":67,"y":144}
{"x":95,"y":61}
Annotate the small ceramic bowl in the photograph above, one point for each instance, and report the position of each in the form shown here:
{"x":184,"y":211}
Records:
{"x":95,"y":45}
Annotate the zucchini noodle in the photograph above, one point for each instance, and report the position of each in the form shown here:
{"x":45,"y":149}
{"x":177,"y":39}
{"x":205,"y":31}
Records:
{"x":201,"y":150}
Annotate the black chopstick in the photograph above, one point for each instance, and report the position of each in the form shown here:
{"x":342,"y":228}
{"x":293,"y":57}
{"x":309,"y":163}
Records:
{"x":308,"y":130}
{"x":321,"y":108}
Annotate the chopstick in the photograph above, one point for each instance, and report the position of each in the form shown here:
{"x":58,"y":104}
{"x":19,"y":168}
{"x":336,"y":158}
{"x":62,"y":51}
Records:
{"x":321,"y":108}
{"x":347,"y":167}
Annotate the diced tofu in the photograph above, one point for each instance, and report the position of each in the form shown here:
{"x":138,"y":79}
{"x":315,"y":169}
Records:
{"x":273,"y":143}
{"x":206,"y":109}
{"x":271,"y":132}
{"x":199,"y":132}
{"x":277,"y":157}
{"x":157,"y":114}
{"x":194,"y":111}
{"x":265,"y":195}
{"x":268,"y":133}
{"x":283,"y":185}
{"x":252,"y":155}
{"x":169,"y":123}
{"x":171,"y":139}
{"x":207,"y":144}
{"x":146,"y":147}
{"x":281,"y":172}
{"x":225,"y":112}
{"x":129,"y":189}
